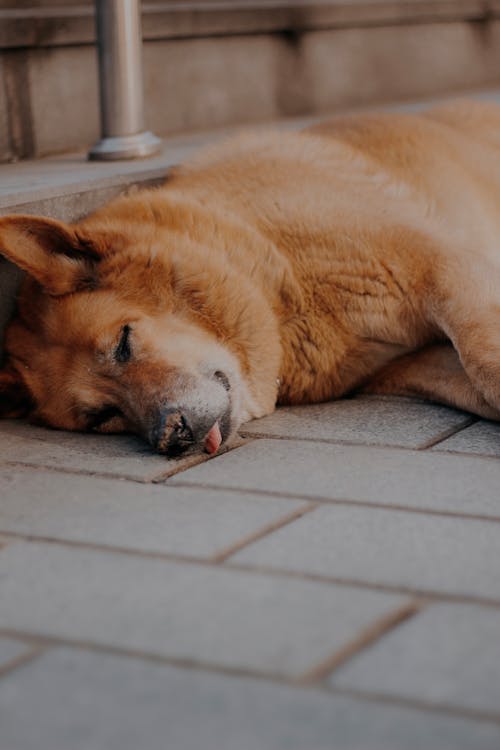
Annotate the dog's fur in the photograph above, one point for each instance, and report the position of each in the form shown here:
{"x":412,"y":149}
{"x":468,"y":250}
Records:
{"x":363,"y":253}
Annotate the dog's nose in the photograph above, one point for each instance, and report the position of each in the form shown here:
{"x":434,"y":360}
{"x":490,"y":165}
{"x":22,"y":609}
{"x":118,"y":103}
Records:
{"x":173,"y":434}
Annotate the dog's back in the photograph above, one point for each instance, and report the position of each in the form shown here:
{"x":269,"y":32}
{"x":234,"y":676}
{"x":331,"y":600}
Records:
{"x":441,"y":165}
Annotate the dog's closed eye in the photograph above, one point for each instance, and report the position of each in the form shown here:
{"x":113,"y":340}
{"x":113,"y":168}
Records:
{"x":123,"y":351}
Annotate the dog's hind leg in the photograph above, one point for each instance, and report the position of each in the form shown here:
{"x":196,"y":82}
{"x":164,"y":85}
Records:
{"x":465,"y":306}
{"x":434,"y":373}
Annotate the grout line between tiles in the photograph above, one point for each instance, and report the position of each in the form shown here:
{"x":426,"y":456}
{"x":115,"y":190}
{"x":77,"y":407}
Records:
{"x":323,"y":500}
{"x":463,"y":454}
{"x":429,"y":595}
{"x":224,"y":554}
{"x":432,"y":596}
{"x":159,"y":477}
{"x":155,"y":477}
{"x":373,"y":446}
{"x":110,"y":548}
{"x":447,"y":434}
{"x":187,"y":463}
{"x":419,"y":704}
{"x":197,"y":459}
{"x":363,"y":640}
{"x":270,"y":435}
{"x":336,"y":501}
{"x":45,"y":642}
{"x":73,"y":472}
{"x":22,"y":659}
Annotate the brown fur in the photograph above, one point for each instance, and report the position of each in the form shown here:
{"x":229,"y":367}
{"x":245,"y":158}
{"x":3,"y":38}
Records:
{"x":298,"y":267}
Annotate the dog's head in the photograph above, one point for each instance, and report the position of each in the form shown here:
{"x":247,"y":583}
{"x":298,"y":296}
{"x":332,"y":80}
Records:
{"x":128,"y":330}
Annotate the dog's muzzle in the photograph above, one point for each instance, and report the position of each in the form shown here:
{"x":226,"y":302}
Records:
{"x":200,"y":421}
{"x":172,"y":434}
{"x":175,"y":432}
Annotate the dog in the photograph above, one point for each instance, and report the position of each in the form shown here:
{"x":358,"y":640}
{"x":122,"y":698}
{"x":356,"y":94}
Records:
{"x":361,"y":254}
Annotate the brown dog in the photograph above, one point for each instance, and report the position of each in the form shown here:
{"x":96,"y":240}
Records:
{"x":362,"y":253}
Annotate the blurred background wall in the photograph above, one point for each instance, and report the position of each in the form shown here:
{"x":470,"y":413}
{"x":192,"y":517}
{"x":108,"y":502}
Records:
{"x":210,"y":63}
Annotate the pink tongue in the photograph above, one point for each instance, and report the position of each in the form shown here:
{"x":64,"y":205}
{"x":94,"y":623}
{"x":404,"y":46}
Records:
{"x":213,"y":439}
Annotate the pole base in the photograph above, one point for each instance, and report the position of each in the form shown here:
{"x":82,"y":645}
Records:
{"x":136,"y":146}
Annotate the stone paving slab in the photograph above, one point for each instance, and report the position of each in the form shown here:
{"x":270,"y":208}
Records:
{"x":78,"y":700}
{"x":482,"y":438}
{"x":10,"y":650}
{"x":448,"y":654}
{"x":109,"y":455}
{"x":202,"y":613}
{"x":422,"y":480}
{"x":412,"y":550}
{"x":150,"y":518}
{"x":369,"y":420}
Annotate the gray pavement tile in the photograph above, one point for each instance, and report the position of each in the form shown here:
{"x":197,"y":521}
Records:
{"x":10,"y":650}
{"x":368,"y":420}
{"x":481,"y":438}
{"x":146,"y":517}
{"x":218,"y":616}
{"x":448,"y":654}
{"x":108,"y":455}
{"x":76,"y":700}
{"x":412,"y":550}
{"x":412,"y":479}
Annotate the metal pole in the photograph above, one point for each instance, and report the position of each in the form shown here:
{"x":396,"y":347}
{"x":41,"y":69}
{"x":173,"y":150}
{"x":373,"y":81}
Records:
{"x":119,"y":42}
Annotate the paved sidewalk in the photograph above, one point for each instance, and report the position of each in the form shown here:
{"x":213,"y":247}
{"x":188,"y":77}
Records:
{"x":331,"y":584}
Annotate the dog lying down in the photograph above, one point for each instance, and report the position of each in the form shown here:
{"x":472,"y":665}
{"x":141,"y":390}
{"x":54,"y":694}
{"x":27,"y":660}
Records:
{"x":360,"y":254}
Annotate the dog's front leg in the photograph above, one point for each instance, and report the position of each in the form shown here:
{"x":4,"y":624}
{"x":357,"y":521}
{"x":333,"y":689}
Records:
{"x":434,"y":373}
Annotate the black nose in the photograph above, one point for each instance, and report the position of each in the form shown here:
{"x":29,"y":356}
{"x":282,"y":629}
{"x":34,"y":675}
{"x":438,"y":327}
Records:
{"x":173,"y":434}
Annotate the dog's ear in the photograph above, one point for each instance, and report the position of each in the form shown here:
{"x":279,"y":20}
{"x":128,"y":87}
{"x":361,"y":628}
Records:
{"x":50,"y":251}
{"x":15,"y":399}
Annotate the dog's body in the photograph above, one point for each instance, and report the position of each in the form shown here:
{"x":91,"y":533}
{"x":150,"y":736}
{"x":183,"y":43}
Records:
{"x":297,"y":267}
